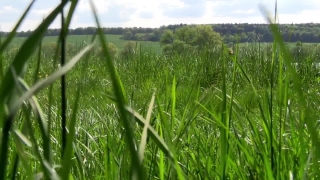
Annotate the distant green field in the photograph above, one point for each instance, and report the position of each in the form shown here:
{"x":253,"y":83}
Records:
{"x":115,"y":39}
{"x":75,"y":39}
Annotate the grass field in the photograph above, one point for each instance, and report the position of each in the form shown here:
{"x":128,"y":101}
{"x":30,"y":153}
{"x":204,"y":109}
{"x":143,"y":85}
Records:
{"x":78,"y":39}
{"x":115,"y":39}
{"x":198,"y":115}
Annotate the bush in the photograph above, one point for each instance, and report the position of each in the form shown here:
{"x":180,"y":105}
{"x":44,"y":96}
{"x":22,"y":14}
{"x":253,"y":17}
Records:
{"x":113,"y":50}
{"x":129,"y":50}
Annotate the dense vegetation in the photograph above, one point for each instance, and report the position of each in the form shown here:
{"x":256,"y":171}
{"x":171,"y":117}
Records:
{"x":243,"y":32}
{"x":204,"y":113}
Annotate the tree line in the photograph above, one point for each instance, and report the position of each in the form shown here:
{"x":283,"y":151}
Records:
{"x":242,"y":32}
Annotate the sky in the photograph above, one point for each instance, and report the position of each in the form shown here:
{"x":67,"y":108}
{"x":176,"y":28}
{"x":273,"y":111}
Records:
{"x":155,"y":13}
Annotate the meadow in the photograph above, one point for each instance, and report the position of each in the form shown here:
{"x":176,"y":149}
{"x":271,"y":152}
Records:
{"x":79,"y":39}
{"x":199,"y":115}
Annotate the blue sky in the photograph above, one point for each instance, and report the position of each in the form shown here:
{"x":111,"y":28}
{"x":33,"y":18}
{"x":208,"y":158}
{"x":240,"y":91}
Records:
{"x":154,"y":13}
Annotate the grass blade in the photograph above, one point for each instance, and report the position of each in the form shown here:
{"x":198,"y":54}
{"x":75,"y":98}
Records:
{"x":44,"y":83}
{"x":145,"y":129}
{"x":68,"y":151}
{"x":137,"y":168}
{"x":63,"y":84}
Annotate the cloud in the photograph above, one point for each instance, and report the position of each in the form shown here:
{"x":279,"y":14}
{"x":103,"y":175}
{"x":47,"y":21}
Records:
{"x":189,"y":8}
{"x":7,"y":13}
{"x":297,"y":6}
{"x":250,"y":11}
{"x":235,"y":8}
{"x":186,"y":11}
{"x":223,"y":8}
{"x":101,"y":5}
{"x":8,"y":9}
{"x":111,"y":14}
{"x":144,"y":13}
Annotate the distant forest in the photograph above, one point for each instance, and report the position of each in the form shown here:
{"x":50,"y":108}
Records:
{"x":244,"y":32}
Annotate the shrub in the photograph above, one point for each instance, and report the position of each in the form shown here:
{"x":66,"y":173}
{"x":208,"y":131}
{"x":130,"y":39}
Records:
{"x":113,"y":50}
{"x":129,"y":50}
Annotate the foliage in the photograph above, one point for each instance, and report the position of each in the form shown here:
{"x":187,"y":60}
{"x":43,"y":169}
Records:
{"x":190,"y":39}
{"x":129,"y":49}
{"x":128,"y":35}
{"x":113,"y":50}
{"x":167,"y":37}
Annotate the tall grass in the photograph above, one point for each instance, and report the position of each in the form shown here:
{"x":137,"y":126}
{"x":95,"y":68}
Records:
{"x":249,"y":115}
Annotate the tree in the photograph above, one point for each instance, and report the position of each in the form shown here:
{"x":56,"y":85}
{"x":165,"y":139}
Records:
{"x":252,"y":35}
{"x":127,"y":35}
{"x":186,"y":34}
{"x":167,"y":37}
{"x":178,"y":46}
{"x":190,"y":38}
{"x":155,"y":36}
{"x":206,"y":37}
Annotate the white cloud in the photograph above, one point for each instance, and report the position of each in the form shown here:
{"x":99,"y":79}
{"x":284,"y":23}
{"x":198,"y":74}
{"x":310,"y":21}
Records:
{"x":144,"y":13}
{"x":8,"y":9}
{"x":250,"y":11}
{"x":42,"y":12}
{"x":101,"y":5}
{"x":305,"y":16}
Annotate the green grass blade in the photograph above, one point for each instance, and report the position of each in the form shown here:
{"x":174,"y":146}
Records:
{"x":167,"y":128}
{"x":145,"y":129}
{"x":20,"y":140}
{"x":41,"y":121}
{"x":297,"y":85}
{"x":136,"y":162}
{"x":224,"y":141}
{"x":36,"y":88}
{"x":36,"y":73}
{"x":52,"y":78}
{"x":161,"y":160}
{"x":154,"y":135}
{"x":63,"y":88}
{"x":68,"y":151}
{"x":173,"y":102}
{"x":72,"y":9}
{"x":22,"y":86}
